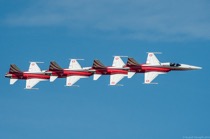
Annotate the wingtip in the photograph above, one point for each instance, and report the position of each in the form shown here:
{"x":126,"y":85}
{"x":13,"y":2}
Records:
{"x":31,"y":88}
{"x":155,"y":52}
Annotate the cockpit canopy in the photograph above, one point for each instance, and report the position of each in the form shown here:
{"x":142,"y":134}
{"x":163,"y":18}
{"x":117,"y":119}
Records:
{"x":175,"y":64}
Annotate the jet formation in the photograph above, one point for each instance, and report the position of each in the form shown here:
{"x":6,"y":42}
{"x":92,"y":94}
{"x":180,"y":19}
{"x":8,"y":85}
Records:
{"x":152,"y":68}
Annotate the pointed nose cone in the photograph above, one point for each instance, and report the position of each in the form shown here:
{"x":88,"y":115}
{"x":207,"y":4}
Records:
{"x":189,"y":67}
{"x":195,"y":67}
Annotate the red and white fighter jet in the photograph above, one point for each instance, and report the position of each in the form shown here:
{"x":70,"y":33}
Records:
{"x":33,"y":76}
{"x":72,"y":74}
{"x":153,"y":67}
{"x":117,"y":71}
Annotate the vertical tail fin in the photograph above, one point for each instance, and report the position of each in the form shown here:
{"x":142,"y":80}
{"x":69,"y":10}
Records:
{"x":54,"y":66}
{"x":132,"y":62}
{"x":98,"y":65}
{"x":14,"y":69}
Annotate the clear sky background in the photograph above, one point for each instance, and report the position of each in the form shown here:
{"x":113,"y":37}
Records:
{"x":45,"y":30}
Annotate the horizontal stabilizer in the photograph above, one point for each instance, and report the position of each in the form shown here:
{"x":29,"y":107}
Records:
{"x":98,"y":65}
{"x":12,"y":81}
{"x":53,"y":78}
{"x":130,"y":74}
{"x":132,"y":62}
{"x":14,"y":69}
{"x":96,"y":76}
{"x":54,"y":66}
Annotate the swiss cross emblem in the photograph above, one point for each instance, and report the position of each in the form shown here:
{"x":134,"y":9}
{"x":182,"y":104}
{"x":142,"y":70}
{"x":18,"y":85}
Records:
{"x":117,"y":58}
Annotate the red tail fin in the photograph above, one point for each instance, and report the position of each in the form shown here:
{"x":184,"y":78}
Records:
{"x":14,"y":69}
{"x":132,"y":62}
{"x":54,"y":66}
{"x":98,"y":65}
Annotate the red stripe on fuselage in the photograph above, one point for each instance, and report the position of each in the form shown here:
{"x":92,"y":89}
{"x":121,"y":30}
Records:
{"x":146,"y":68}
{"x":109,"y":71}
{"x":66,"y":73}
{"x":35,"y":75}
{"x":29,"y":76}
{"x":153,"y":68}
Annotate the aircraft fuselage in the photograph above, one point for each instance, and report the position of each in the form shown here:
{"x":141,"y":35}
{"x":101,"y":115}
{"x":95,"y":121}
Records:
{"x":27,"y":75}
{"x":66,"y":72}
{"x":160,"y":68}
{"x":110,"y":71}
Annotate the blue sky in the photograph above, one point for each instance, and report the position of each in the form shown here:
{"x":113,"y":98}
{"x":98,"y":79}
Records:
{"x":58,"y":30}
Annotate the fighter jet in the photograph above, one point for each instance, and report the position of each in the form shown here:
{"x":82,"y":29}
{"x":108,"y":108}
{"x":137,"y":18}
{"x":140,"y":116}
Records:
{"x":154,"y":67}
{"x":72,"y":74}
{"x":33,"y":76}
{"x":117,"y":71}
